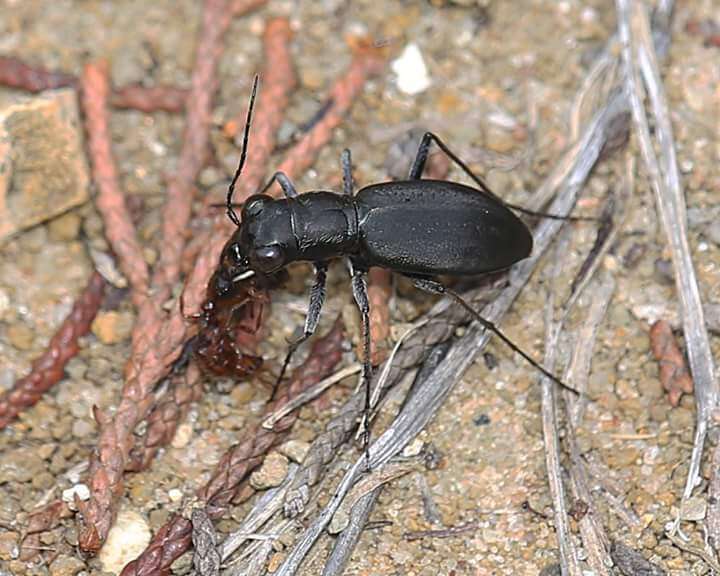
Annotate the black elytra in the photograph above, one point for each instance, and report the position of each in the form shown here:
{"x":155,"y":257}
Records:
{"x":416,"y":227}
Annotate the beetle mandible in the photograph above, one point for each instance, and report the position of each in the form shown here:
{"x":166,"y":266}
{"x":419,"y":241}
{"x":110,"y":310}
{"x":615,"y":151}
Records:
{"x":418,"y":228}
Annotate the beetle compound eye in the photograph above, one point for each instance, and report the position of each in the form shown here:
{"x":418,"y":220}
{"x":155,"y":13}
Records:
{"x":255,"y":205}
{"x":269,"y":258}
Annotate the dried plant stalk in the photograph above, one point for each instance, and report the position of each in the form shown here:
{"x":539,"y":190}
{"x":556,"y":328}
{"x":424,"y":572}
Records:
{"x":154,"y":333}
{"x":366,"y":62}
{"x":164,"y":419}
{"x":150,"y":98}
{"x":14,"y":73}
{"x":641,"y":68}
{"x":379,"y":293}
{"x":278,"y":83}
{"x":231,"y":473}
{"x":110,"y":200}
{"x":49,"y":368}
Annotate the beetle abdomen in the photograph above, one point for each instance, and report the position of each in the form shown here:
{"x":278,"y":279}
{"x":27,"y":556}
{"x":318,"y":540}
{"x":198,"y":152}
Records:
{"x":437,"y":227}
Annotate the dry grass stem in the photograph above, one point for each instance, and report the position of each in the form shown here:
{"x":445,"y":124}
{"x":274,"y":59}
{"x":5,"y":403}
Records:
{"x":641,"y":70}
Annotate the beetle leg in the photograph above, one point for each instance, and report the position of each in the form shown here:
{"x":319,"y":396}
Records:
{"x":346,"y":160}
{"x":419,"y":165}
{"x":435,"y":287}
{"x":422,"y":156}
{"x":286,"y":184}
{"x":317,"y":298}
{"x":359,"y":289}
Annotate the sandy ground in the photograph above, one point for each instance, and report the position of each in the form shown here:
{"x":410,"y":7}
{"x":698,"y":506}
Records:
{"x":502,"y":79}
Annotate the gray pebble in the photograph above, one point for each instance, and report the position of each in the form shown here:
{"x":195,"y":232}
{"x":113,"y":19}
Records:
{"x":82,"y":428}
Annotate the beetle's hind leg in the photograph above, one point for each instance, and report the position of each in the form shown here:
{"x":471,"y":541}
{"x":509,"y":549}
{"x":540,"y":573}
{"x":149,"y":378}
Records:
{"x":421,"y":157}
{"x":435,"y":287}
{"x":359,"y":289}
{"x":418,"y":167}
{"x":317,"y":298}
{"x":346,"y":161}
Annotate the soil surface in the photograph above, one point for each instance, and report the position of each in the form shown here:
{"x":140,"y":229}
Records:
{"x":503,"y":77}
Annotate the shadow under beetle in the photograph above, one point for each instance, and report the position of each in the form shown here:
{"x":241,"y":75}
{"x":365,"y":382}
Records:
{"x":418,"y":228}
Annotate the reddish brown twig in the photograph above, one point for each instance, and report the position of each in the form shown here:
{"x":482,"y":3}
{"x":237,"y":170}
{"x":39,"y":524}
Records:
{"x":366,"y":62}
{"x":49,"y":368}
{"x":379,"y":292}
{"x":150,"y":98}
{"x":110,"y":200}
{"x":14,"y":73}
{"x":39,"y":521}
{"x":220,"y":350}
{"x":164,"y":419}
{"x":231,"y":473}
{"x":157,"y":338}
{"x":278,"y":81}
{"x":674,"y":374}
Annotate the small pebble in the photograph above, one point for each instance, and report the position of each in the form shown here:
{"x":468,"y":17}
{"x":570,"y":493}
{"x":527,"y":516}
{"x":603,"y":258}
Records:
{"x":694,"y":509}
{"x":650,"y":388}
{"x":411,"y":71}
{"x":271,"y":473}
{"x":82,"y":428}
{"x":242,"y":393}
{"x":20,"y":465}
{"x":295,"y":450}
{"x":659,"y":412}
{"x":65,"y":565}
{"x":275,"y":561}
{"x":158,"y":518}
{"x":681,"y":419}
{"x":126,"y":540}
{"x":210,"y":176}
{"x":713,"y":233}
{"x":4,"y":303}
{"x":175,"y":495}
{"x":43,"y":481}
{"x":182,"y":437}
{"x":8,"y":545}
{"x":112,"y":327}
{"x":413,"y":449}
{"x":20,"y":336}
{"x":81,"y":491}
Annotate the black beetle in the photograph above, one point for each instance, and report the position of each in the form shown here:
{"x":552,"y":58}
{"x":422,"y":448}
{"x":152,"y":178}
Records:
{"x":418,"y":228}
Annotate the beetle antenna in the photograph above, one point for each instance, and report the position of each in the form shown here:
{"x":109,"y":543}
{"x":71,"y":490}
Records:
{"x":243,"y":155}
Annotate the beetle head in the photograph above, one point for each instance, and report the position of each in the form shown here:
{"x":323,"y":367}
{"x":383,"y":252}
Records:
{"x":259,"y":245}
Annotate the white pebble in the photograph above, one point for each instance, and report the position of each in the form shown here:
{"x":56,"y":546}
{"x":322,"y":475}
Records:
{"x":411,"y":71}
{"x":414,"y":448}
{"x":79,"y":490}
{"x":175,"y":495}
{"x":126,"y":540}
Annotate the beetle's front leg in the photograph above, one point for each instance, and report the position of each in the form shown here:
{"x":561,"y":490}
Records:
{"x":317,"y":298}
{"x":286,"y":184}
